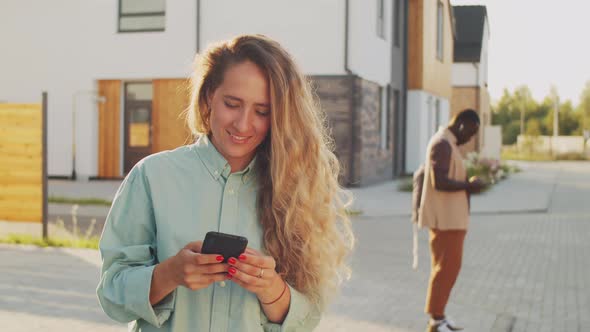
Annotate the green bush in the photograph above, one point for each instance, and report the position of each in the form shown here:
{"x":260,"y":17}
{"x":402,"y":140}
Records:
{"x":406,"y":184}
{"x":488,"y":170}
{"x":91,"y":243}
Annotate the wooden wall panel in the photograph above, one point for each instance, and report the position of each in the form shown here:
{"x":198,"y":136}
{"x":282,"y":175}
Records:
{"x":170,"y":98}
{"x":21,"y":162}
{"x":436,"y":73}
{"x":109,"y":128}
{"x":415,"y":44}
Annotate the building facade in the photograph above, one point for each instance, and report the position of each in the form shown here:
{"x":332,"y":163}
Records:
{"x":470,"y":68}
{"x":430,"y":58}
{"x":116,"y":73}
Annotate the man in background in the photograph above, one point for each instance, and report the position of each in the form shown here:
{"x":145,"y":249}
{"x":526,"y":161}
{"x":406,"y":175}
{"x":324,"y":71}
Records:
{"x":444,"y":209}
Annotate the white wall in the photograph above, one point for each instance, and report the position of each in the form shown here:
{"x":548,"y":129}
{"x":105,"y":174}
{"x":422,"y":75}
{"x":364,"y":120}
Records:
{"x":551,"y":144}
{"x":492,"y":142}
{"x":64,"y":46}
{"x":464,"y":74}
{"x":369,"y":54}
{"x":421,"y":125}
{"x":311,"y":30}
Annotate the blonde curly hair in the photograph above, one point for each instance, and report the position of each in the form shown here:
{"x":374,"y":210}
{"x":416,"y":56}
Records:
{"x":301,"y":205}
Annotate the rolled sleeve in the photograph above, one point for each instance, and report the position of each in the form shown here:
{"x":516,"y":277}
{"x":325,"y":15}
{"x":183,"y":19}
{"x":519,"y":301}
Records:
{"x":303,"y":315}
{"x":137,"y":294}
{"x":128,"y":251}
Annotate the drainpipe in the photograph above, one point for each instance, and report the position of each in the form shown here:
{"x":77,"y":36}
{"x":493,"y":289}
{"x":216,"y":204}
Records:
{"x":477,"y":99}
{"x":390,"y":92}
{"x":97,"y":98}
{"x":353,"y":92}
{"x":404,"y":93}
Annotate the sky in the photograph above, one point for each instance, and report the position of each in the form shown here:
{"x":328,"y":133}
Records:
{"x":538,"y":43}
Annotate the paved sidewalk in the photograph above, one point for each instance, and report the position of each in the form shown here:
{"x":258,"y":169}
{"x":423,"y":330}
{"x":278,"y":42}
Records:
{"x":103,"y":189}
{"x":524,"y":192}
{"x":522,"y":272}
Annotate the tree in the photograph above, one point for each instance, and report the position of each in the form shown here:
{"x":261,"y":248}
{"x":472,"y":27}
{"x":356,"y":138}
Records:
{"x":533,"y":127}
{"x":523,"y":99}
{"x":508,"y":110}
{"x":569,"y":120}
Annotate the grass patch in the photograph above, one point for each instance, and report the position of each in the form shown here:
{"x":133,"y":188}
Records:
{"x":90,"y":243}
{"x":352,"y":212}
{"x":75,"y":239}
{"x":79,"y":201}
{"x":512,"y":153}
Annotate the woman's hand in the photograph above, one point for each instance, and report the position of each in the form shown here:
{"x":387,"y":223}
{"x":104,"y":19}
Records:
{"x":256,"y":273}
{"x":194,"y":270}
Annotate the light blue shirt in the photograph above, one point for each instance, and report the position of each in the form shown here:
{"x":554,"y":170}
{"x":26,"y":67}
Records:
{"x":168,"y":200}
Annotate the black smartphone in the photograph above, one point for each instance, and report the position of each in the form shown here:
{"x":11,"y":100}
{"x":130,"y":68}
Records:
{"x":226,"y":245}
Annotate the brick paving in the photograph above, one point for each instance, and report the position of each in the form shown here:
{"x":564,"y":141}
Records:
{"x":521,"y":272}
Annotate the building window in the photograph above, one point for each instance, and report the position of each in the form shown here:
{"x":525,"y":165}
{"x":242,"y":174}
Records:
{"x":142,"y":15}
{"x":437,"y":111}
{"x":384,"y":126}
{"x":397,"y":24}
{"x":381,"y":18}
{"x":439,"y":30}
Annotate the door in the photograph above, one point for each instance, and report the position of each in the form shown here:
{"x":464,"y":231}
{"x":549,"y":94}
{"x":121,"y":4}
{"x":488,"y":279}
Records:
{"x":109,"y":129}
{"x":138,"y":123}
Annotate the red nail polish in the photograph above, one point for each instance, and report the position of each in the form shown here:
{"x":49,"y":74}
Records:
{"x":232,"y":270}
{"x":229,"y":276}
{"x":219,"y":258}
{"x":242,"y":257}
{"x":232,"y":260}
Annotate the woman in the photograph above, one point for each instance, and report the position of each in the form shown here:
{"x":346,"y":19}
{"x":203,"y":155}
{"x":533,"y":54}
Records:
{"x":262,"y":168}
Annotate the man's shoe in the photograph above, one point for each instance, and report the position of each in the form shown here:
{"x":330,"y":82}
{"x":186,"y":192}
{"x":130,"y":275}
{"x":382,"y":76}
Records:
{"x":438,"y":327}
{"x":445,"y":325}
{"x":451,"y":325}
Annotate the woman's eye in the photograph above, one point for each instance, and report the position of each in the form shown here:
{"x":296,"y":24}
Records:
{"x":263,"y":113}
{"x":230,"y":105}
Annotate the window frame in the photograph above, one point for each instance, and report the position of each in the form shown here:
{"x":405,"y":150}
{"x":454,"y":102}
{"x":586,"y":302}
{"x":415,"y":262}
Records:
{"x":440,"y":26}
{"x":144,"y":14}
{"x":380,"y":26}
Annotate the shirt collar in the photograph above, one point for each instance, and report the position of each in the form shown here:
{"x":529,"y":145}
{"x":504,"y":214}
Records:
{"x":216,"y":163}
{"x":449,"y":135}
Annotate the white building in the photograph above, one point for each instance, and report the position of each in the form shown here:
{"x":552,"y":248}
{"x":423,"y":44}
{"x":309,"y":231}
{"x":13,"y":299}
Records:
{"x":77,"y":50}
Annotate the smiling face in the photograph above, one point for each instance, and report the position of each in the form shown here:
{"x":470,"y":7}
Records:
{"x":240,"y":113}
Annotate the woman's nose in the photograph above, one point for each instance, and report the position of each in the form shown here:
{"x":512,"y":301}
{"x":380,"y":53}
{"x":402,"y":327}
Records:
{"x":242,"y":123}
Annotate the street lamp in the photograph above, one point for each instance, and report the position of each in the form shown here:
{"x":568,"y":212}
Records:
{"x":556,"y":117}
{"x":96,"y":98}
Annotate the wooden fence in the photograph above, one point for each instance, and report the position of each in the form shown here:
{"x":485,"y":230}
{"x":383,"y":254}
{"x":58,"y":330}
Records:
{"x":23,"y":184}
